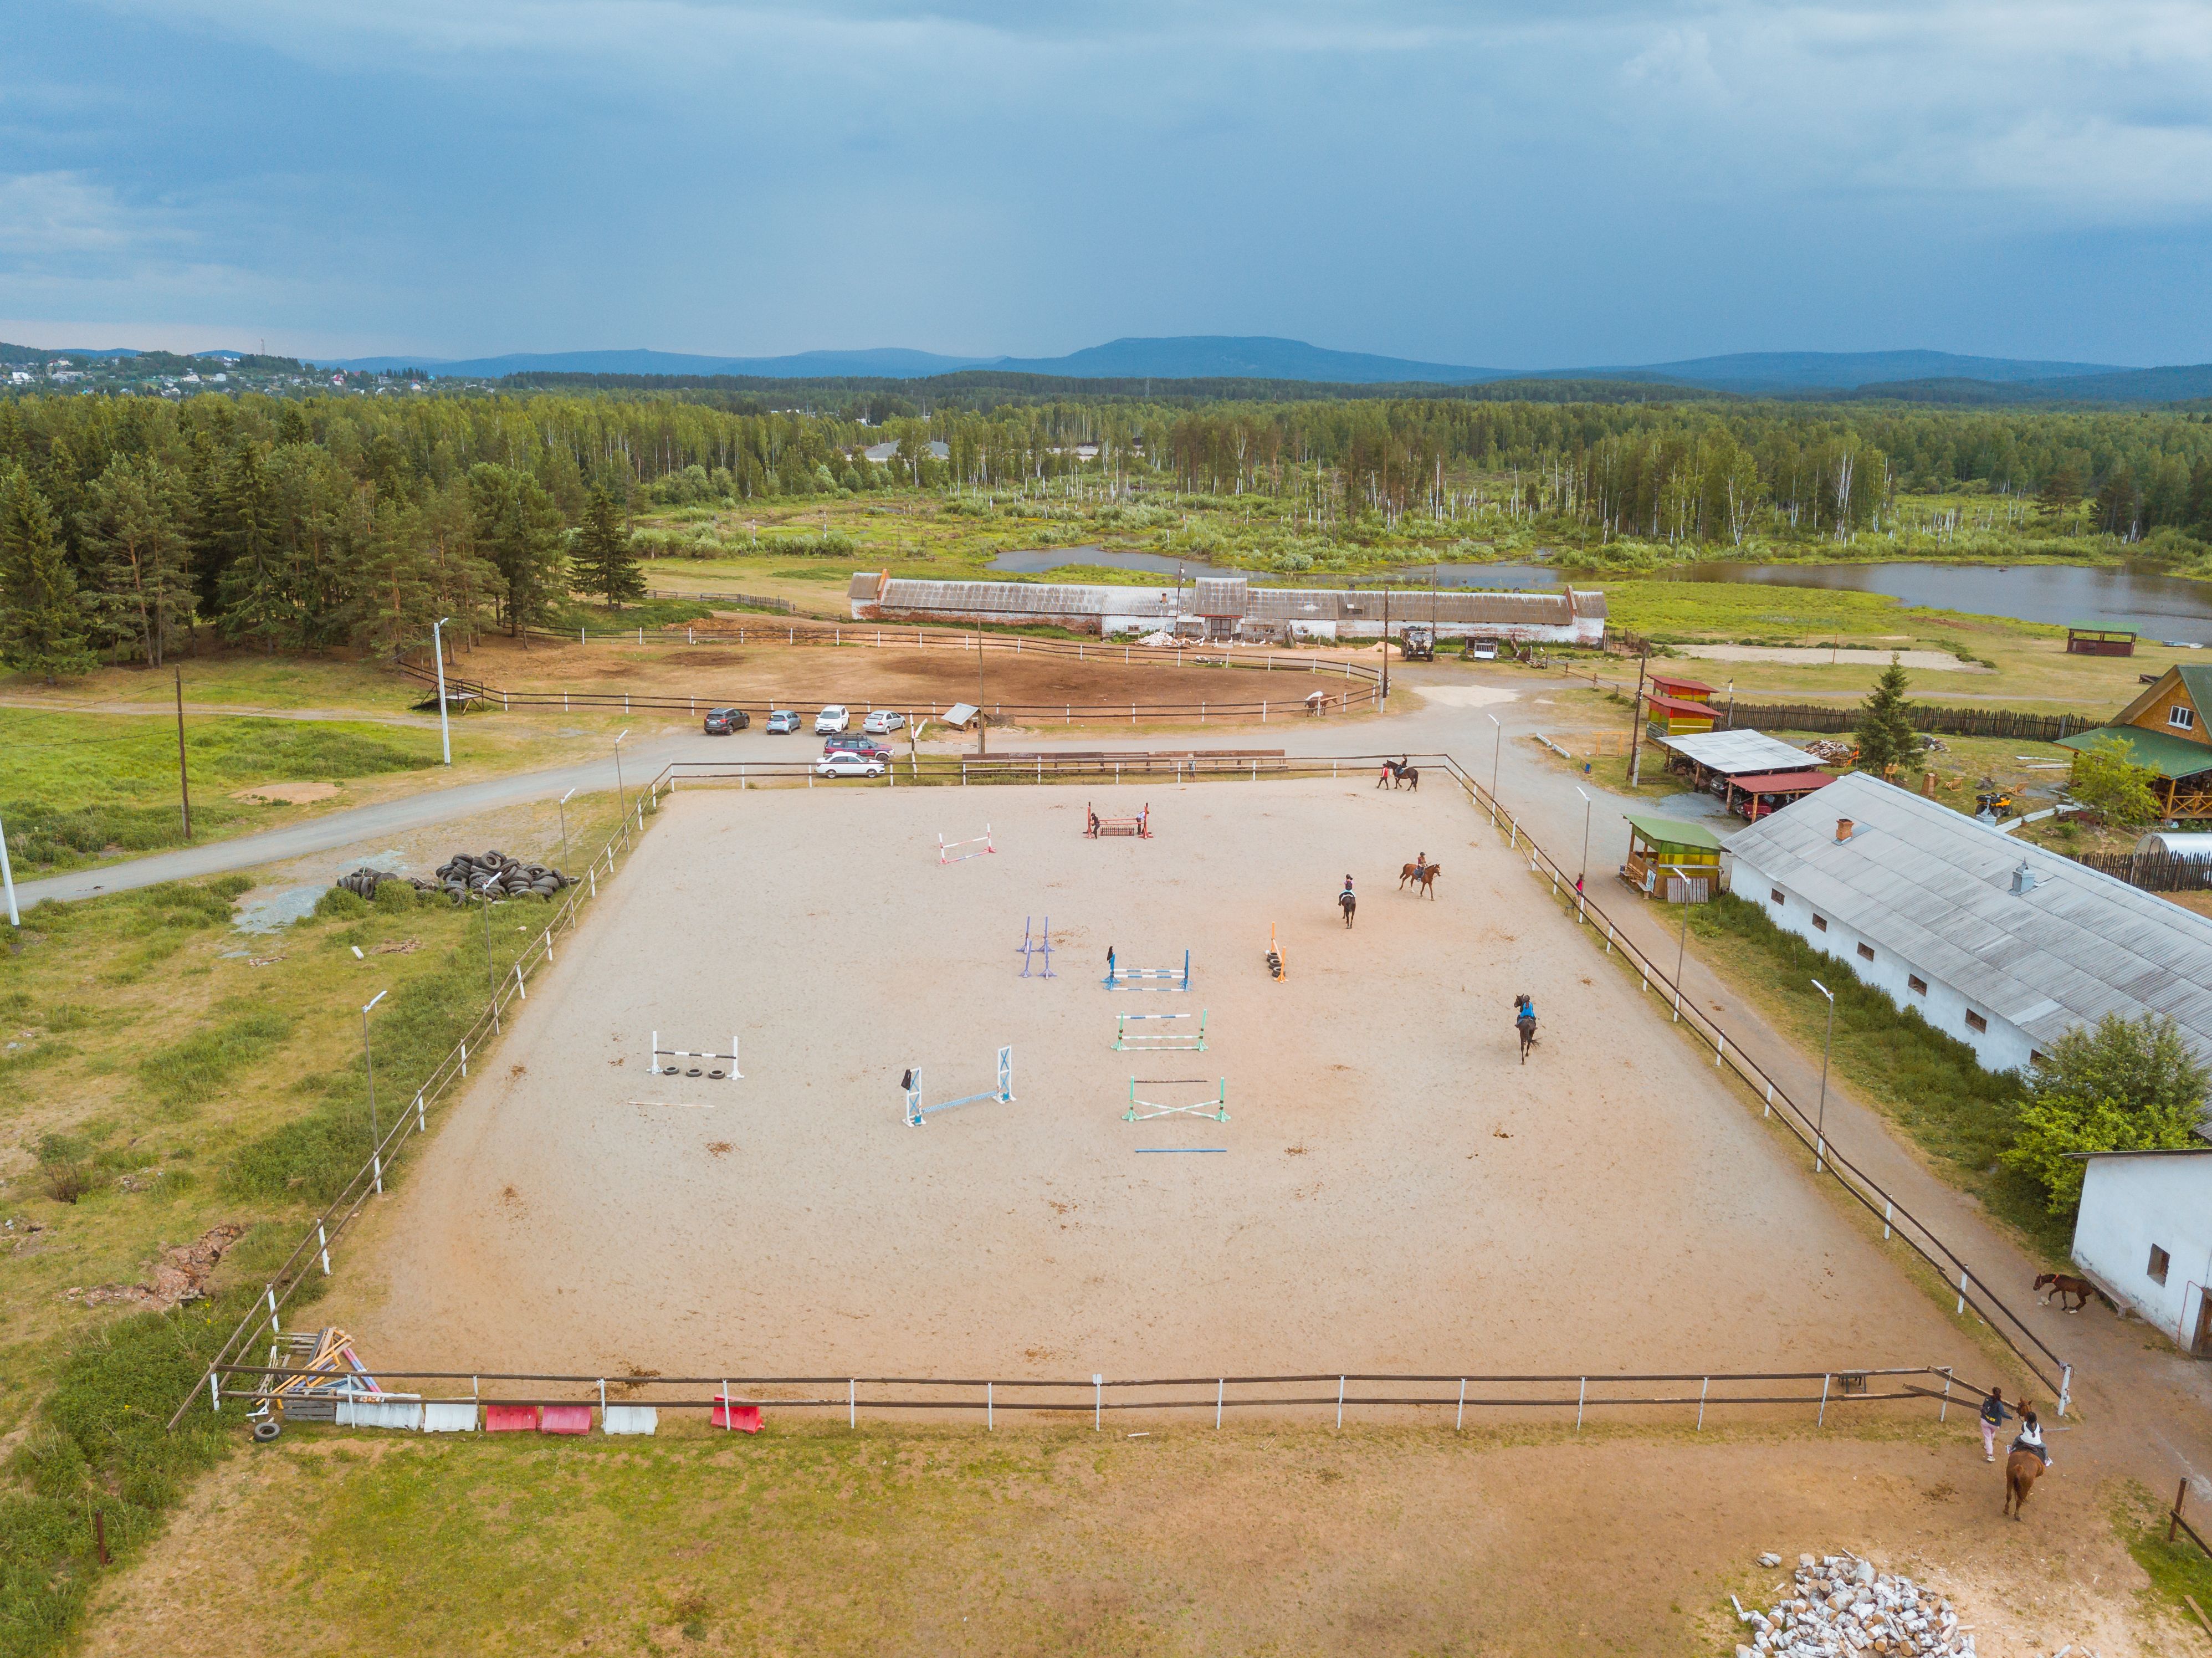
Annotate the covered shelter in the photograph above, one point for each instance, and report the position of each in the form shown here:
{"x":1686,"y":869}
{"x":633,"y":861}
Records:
{"x":1687,"y":856}
{"x":1675,"y":716}
{"x":1682,"y":690}
{"x":1747,"y":771}
{"x":2090,"y":639}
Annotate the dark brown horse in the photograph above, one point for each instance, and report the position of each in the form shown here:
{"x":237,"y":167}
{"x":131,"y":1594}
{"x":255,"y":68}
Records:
{"x":2063,"y":1284}
{"x":2022,"y":1470}
{"x":1423,"y":876}
{"x":1395,"y":772}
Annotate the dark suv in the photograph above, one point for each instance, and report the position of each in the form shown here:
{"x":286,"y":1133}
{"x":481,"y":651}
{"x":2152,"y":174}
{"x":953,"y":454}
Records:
{"x":849,"y":743}
{"x":721,"y":722}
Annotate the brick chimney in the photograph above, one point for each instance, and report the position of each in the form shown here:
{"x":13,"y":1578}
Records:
{"x":1843,"y":828}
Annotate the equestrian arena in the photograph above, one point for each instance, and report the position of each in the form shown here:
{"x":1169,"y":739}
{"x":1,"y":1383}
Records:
{"x":1393,"y":1189}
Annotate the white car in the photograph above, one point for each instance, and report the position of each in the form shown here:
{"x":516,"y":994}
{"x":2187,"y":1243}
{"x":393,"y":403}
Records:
{"x":832,"y":720}
{"x":882,"y":722}
{"x":841,"y":762}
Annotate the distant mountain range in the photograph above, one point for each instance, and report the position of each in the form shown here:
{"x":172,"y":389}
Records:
{"x":1935,"y":377}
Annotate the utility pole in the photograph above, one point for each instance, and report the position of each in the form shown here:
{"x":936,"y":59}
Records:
{"x":982,"y":740}
{"x":1636,"y":726}
{"x":1386,"y":641}
{"x":184,"y":782}
{"x":438,"y":650}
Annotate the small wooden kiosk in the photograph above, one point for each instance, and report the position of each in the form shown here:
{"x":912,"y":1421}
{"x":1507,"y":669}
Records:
{"x":2083,"y":639}
{"x":1678,"y":862}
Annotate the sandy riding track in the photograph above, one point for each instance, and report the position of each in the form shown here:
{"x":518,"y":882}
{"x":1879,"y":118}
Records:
{"x":1398,"y":1191}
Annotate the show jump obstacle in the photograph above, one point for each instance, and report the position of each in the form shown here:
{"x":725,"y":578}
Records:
{"x":1276,"y":965}
{"x":1147,"y":978}
{"x":1140,"y":826}
{"x":950,"y":851}
{"x":1193,"y":1042}
{"x":657,"y":1069}
{"x":914,"y":1110}
{"x":1043,"y":947}
{"x":1146,"y":1110}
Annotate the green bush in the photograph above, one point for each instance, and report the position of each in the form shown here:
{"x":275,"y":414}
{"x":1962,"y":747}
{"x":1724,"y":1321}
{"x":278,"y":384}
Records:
{"x":2124,"y":1086}
{"x":393,"y":897}
{"x":341,"y":903}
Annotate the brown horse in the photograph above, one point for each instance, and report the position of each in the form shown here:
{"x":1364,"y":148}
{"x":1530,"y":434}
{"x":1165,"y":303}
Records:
{"x":2063,"y":1284}
{"x":2022,"y":1470}
{"x":1423,"y":876}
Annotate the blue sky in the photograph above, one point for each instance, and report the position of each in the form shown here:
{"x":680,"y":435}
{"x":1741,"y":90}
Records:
{"x":1507,"y":186}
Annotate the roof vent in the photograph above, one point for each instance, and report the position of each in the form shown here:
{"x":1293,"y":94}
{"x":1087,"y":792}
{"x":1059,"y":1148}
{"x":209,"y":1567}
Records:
{"x":2024,"y":879}
{"x":1843,"y":828}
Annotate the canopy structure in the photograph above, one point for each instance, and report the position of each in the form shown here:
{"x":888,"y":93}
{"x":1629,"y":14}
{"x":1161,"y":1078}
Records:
{"x":1687,"y":857}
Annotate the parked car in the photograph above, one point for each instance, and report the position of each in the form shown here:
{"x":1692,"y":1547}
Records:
{"x":843,"y":762}
{"x":862,"y":745}
{"x":882,"y":722}
{"x":721,"y":722}
{"x":835,"y":718}
{"x":781,"y":720}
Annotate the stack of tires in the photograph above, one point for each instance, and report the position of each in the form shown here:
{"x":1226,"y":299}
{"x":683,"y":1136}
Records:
{"x":494,"y":875}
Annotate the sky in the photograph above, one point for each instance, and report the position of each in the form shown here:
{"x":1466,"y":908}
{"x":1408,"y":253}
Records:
{"x":1517,"y":187}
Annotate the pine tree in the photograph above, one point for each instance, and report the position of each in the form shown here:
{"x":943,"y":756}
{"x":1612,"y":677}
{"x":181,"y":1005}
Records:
{"x":604,"y":563}
{"x":1887,"y":739}
{"x":256,"y":587}
{"x":43,"y":620}
{"x":133,"y":532}
{"x":518,"y":528}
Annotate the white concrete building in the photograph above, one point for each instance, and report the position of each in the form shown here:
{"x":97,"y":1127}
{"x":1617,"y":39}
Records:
{"x":2144,"y":1236}
{"x":2003,"y":945}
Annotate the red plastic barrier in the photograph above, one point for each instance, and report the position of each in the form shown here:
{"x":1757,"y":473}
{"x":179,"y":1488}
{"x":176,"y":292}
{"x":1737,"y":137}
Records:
{"x":565,"y":1419}
{"x":745,"y":1418}
{"x":510,"y":1419}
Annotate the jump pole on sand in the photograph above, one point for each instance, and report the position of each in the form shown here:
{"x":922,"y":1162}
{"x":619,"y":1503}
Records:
{"x":949,"y":852}
{"x":1216,"y":1109}
{"x":1277,"y":966}
{"x":912,"y":1110}
{"x":1146,"y":977}
{"x":654,"y":1068}
{"x":1140,"y":826}
{"x":1166,"y":1041}
{"x":1027,"y":948}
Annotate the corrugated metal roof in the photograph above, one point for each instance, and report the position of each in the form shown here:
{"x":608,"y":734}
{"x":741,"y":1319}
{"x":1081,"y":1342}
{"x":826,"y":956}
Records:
{"x":1736,"y":753}
{"x":1935,"y":887}
{"x":2162,"y":751}
{"x":1671,"y":832}
{"x":1025,"y":598}
{"x":1275,"y":604}
{"x":865,"y":584}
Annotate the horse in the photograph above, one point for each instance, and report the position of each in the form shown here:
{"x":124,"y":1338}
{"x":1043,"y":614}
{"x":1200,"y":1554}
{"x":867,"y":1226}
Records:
{"x":1395,"y":772}
{"x":1348,"y":903}
{"x":1423,"y":876}
{"x":2063,"y":1284}
{"x":1526,"y":1024}
{"x":2022,"y":1470}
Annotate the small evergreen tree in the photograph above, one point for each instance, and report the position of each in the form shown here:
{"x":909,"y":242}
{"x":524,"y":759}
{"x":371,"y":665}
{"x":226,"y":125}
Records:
{"x":1887,"y":739}
{"x":43,"y":620}
{"x":132,"y":528}
{"x":604,"y":563}
{"x":2124,"y":1086}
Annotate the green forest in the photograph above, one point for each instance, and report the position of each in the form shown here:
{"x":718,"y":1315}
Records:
{"x":131,"y":525}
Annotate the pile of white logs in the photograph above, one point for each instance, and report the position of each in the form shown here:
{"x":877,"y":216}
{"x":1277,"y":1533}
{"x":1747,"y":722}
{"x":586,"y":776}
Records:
{"x":1843,"y":1607}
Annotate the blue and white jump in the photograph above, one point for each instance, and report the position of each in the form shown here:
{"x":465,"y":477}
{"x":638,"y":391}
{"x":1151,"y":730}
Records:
{"x":1147,"y":978}
{"x":912,"y":1111}
{"x":1162,"y":1041}
{"x":1031,"y":946}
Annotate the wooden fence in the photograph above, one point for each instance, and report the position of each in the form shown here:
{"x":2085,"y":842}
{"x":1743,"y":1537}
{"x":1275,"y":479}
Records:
{"x":2153,"y":872}
{"x":743,"y":601}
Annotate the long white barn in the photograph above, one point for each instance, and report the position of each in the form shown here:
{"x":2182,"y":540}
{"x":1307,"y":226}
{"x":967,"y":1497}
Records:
{"x":1229,"y":607}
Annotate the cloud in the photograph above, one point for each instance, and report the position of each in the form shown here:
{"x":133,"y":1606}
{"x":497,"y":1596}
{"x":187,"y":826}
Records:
{"x":45,"y":215}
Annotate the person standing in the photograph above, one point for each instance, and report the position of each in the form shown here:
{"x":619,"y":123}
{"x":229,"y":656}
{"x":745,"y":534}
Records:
{"x":1993,"y":1417}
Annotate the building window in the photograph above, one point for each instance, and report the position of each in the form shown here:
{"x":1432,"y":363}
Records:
{"x":1916,"y":984}
{"x":2160,"y":1261}
{"x":1866,"y":952}
{"x":1775,"y":893}
{"x":1976,"y":1021}
{"x":2181,"y":714}
{"x":1820,"y":924}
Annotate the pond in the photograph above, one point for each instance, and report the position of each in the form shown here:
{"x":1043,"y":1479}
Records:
{"x":2156,"y":605}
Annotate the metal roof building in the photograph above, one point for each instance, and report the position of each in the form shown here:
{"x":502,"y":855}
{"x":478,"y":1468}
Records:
{"x":2003,"y":945}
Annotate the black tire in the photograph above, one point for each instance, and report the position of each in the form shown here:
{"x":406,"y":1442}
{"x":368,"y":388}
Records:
{"x":266,"y":1430}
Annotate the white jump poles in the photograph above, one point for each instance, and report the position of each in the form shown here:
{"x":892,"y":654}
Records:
{"x":1164,"y":1041}
{"x":656,"y":1069}
{"x":949,"y":852}
{"x":1147,"y":978}
{"x":912,"y":1110}
{"x":1217,"y":1109}
{"x":1043,"y":947}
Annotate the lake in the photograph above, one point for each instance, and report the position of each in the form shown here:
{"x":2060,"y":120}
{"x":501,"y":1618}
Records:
{"x":2156,"y":605}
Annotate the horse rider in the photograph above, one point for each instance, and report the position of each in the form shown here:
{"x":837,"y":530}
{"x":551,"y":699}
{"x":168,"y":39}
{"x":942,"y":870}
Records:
{"x":1346,"y":901}
{"x":1524,"y":1007}
{"x":1420,"y":865}
{"x":2030,"y":1437}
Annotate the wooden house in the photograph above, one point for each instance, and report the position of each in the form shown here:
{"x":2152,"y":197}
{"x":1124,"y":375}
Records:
{"x":1679,"y":861}
{"x":2165,"y":729}
{"x":1675,"y":716}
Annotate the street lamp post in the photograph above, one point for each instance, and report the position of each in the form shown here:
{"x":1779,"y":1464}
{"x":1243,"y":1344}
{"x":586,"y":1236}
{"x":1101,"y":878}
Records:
{"x":7,"y":880}
{"x":1682,"y":947}
{"x":619,"y":795}
{"x":438,"y":650}
{"x":375,"y":1138}
{"x":1821,"y":1120}
{"x":562,"y":806}
{"x":1586,"y":829}
{"x":1497,"y":748}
